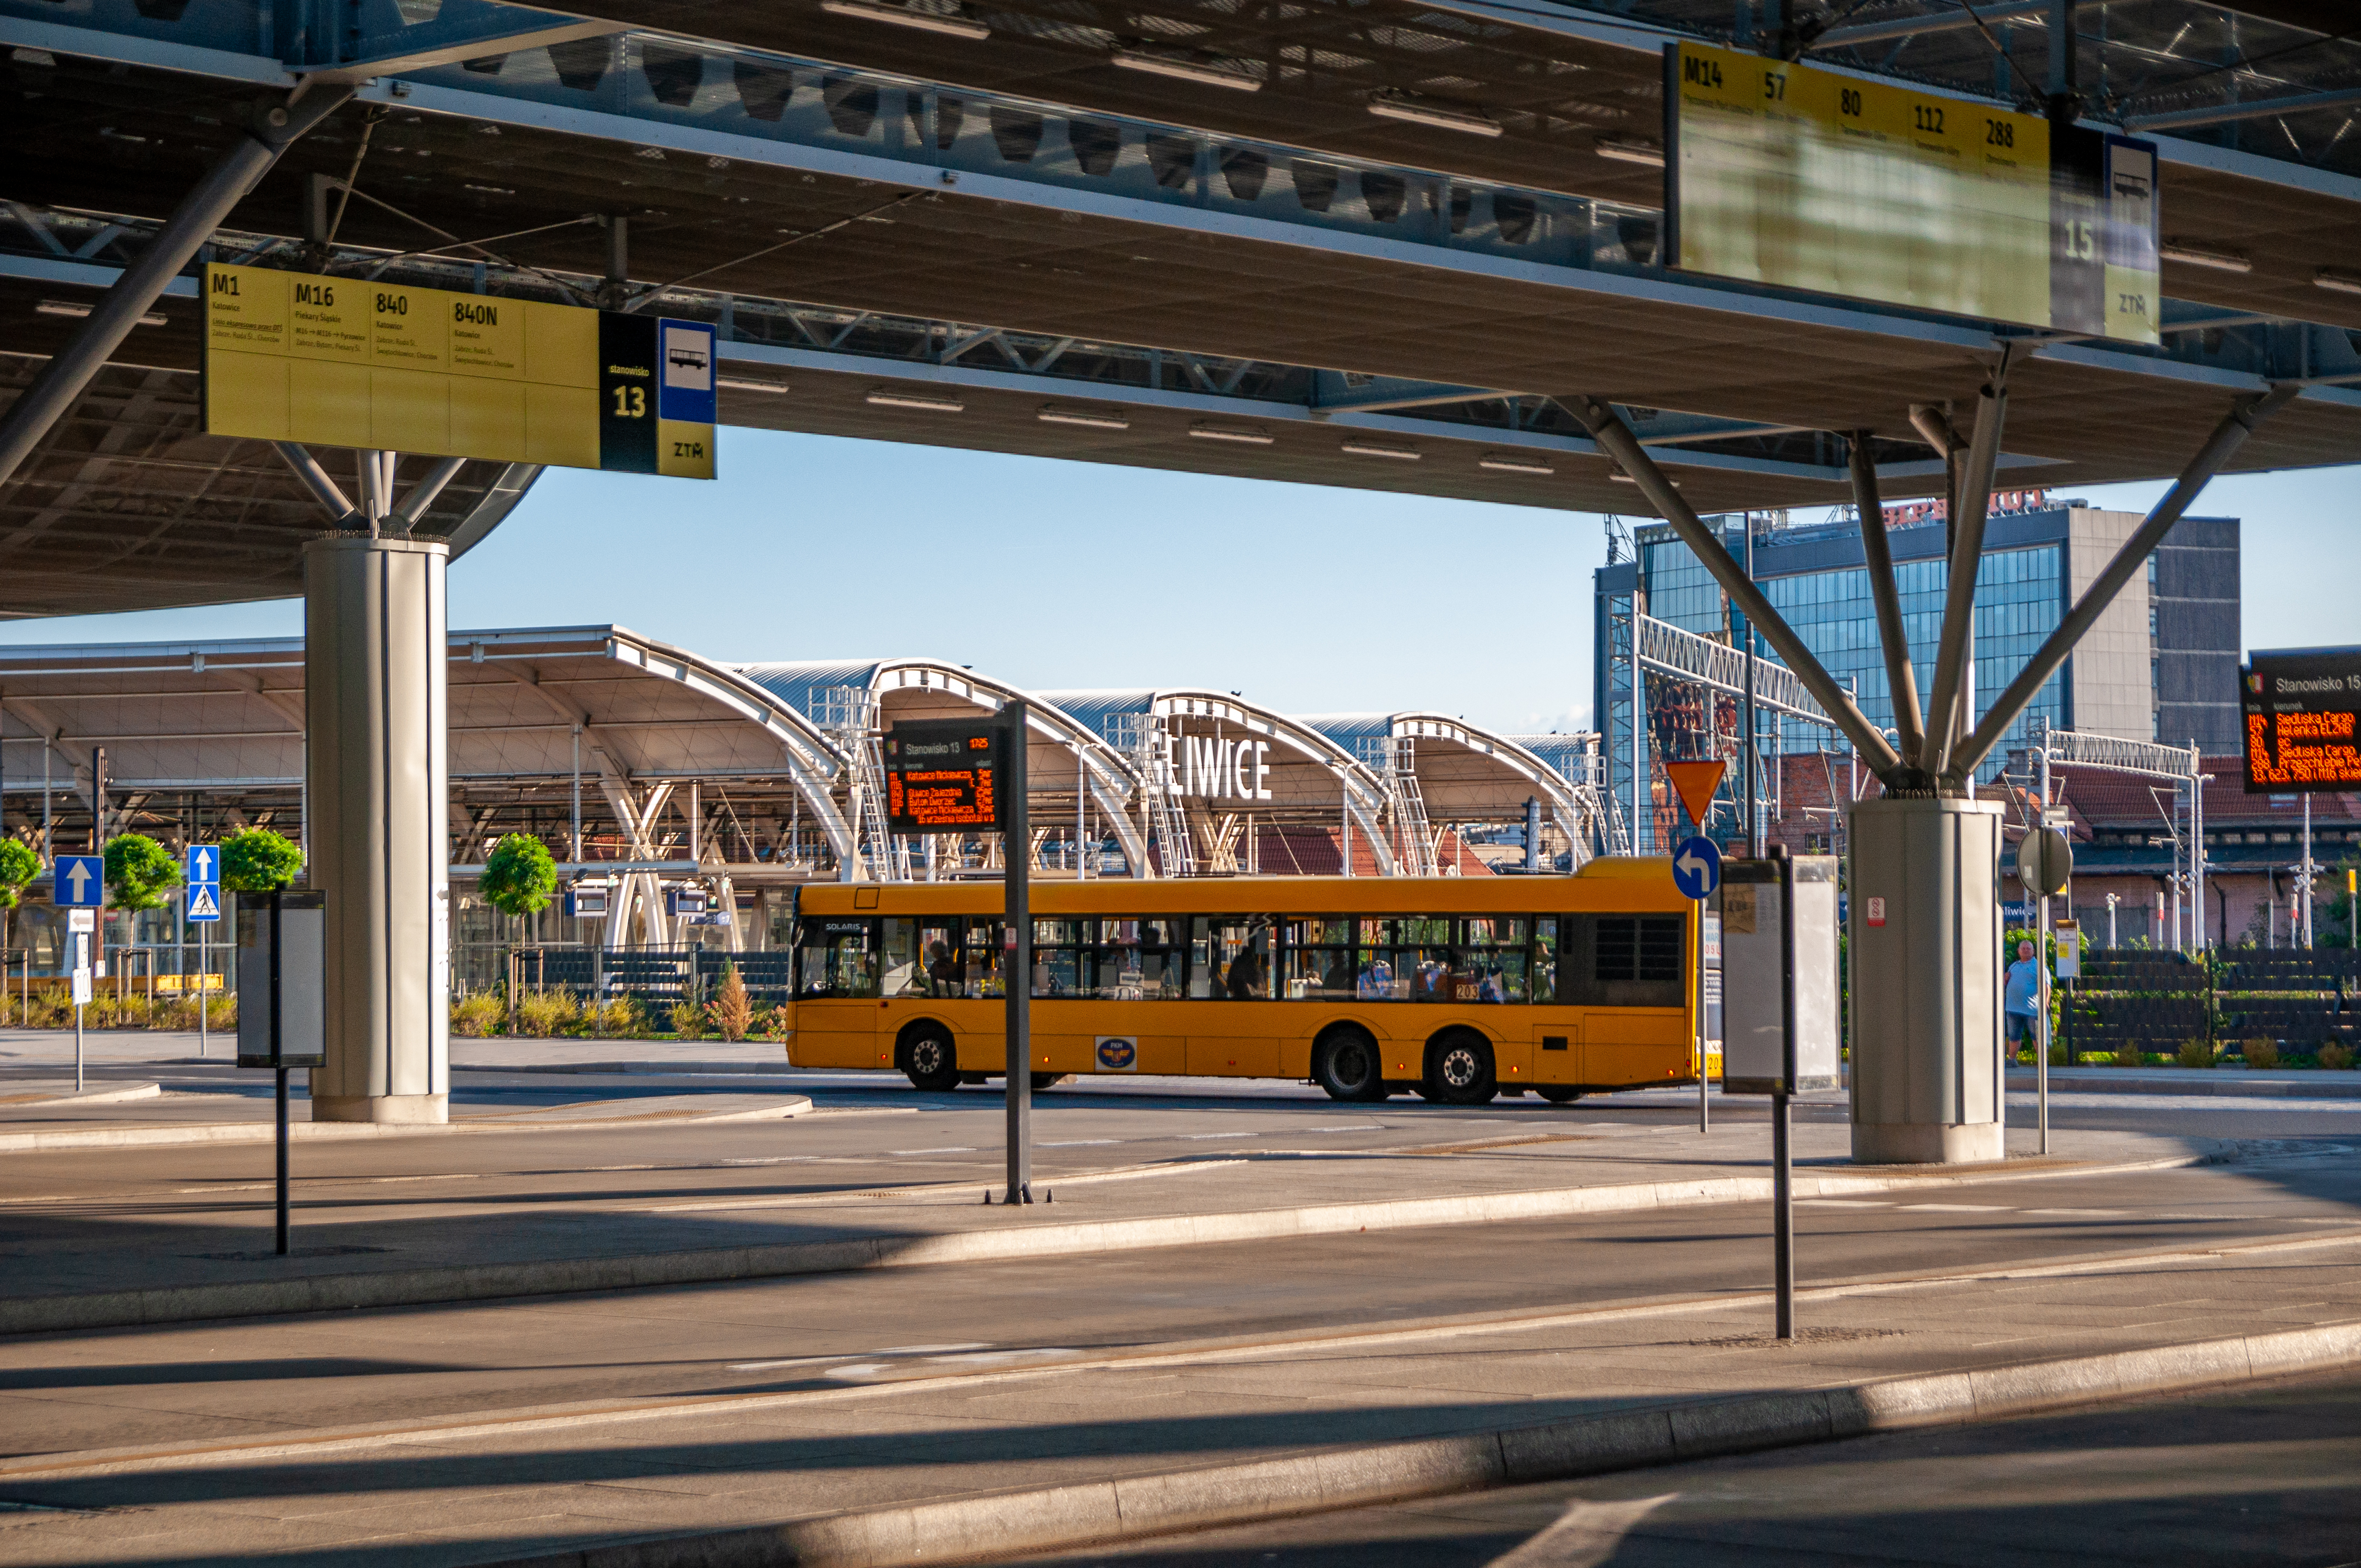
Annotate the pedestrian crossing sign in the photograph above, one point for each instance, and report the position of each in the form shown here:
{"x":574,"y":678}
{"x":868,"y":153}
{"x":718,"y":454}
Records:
{"x":205,"y":903}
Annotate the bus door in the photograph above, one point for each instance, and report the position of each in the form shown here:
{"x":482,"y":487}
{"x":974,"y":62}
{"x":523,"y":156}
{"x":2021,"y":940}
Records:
{"x":1231,"y":960}
{"x":836,"y":995}
{"x":920,"y":972}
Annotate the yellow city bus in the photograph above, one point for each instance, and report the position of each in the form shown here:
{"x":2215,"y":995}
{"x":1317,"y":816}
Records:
{"x":1456,"y":988}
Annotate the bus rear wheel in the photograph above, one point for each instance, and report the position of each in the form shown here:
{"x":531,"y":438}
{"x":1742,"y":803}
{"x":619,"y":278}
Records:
{"x":1459,"y":1069}
{"x":931,"y":1060}
{"x":1557,"y":1093}
{"x":1348,"y":1065}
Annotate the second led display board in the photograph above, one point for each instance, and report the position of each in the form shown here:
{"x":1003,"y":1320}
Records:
{"x":1801,"y":178}
{"x":2302,"y":711}
{"x":344,"y":362}
{"x":944,"y":775}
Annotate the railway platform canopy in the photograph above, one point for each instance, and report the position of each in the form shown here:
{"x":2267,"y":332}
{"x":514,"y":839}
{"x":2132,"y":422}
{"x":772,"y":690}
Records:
{"x":1391,"y":245}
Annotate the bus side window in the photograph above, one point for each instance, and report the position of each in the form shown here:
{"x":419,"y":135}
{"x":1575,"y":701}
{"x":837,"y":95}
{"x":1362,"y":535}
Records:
{"x":985,"y":936}
{"x":1236,"y":952}
{"x":838,"y":958}
{"x":903,"y":976}
{"x":939,"y":952}
{"x":1057,"y":958}
{"x":1544,"y":959}
{"x":1162,"y":944}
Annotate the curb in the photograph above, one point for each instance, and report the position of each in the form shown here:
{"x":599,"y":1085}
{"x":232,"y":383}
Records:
{"x":331,"y":1132}
{"x":85,"y":1097}
{"x":2233,"y":1085}
{"x":1137,"y":1507}
{"x":476,"y":1282}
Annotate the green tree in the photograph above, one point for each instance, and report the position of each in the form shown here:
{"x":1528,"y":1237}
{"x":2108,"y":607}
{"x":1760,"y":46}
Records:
{"x":258,"y":861}
{"x":520,"y":875}
{"x":139,"y":872}
{"x":18,"y":865}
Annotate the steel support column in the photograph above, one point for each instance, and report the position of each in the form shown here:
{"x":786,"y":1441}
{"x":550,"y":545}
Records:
{"x":1944,"y":720}
{"x":1893,"y":635}
{"x":2219,"y":448}
{"x":1615,"y":438}
{"x":63,"y":380}
{"x":377,"y":777}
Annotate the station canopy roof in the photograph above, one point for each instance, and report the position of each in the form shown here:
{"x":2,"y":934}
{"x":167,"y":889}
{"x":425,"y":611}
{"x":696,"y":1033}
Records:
{"x":224,"y":719}
{"x":1063,"y":233}
{"x":1465,"y":772}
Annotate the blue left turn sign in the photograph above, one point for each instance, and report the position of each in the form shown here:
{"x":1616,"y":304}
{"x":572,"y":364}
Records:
{"x":1697,"y":867}
{"x":80,"y":882}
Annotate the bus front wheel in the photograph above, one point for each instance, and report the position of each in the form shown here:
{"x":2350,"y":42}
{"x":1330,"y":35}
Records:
{"x":931,"y":1061}
{"x":1459,"y":1070}
{"x":1348,"y":1065}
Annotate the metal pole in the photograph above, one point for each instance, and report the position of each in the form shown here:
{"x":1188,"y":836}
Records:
{"x":204,"y":967}
{"x":2041,"y":957}
{"x":1893,"y":635}
{"x":2196,"y":850}
{"x":279,"y":1055}
{"x":1705,"y":1115}
{"x":1017,"y":977}
{"x":53,"y":391}
{"x":1781,"y":1150}
{"x":2219,"y":448}
{"x":2308,"y":869}
{"x":1747,"y":720}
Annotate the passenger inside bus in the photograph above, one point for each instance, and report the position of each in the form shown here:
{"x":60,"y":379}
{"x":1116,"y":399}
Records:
{"x":1245,"y":976}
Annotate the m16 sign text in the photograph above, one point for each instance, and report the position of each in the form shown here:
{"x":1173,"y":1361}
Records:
{"x":944,"y":775}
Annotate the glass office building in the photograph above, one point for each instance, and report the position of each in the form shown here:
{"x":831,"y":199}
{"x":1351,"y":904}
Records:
{"x":2161,"y":664}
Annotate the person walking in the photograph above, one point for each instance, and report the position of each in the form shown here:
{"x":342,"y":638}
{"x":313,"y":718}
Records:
{"x":2021,"y":998}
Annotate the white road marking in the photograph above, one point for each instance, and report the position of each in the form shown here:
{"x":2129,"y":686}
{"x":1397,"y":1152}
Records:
{"x":953,"y":1148}
{"x":1959,"y":1208}
{"x":1072,"y":1143}
{"x":1843,"y":1203}
{"x":857,"y":1355}
{"x":1587,"y":1535}
{"x":2087,"y":1213}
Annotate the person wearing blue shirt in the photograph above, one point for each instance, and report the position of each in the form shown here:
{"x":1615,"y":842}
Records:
{"x":2021,"y":997}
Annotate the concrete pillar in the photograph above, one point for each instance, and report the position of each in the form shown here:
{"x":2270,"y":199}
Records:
{"x":1924,"y":934}
{"x":377,"y":766}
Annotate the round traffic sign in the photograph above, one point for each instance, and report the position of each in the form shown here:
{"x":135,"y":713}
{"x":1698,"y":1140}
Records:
{"x":1697,"y":867}
{"x":2043,"y":862}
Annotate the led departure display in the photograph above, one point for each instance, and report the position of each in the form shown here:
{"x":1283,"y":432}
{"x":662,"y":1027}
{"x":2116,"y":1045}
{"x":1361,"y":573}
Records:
{"x":1803,"y":178}
{"x":346,"y":362}
{"x":944,"y":774}
{"x":2302,"y":707}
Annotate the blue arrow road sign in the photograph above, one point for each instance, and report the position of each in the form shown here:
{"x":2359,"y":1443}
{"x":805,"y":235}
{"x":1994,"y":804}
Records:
{"x":80,"y":882}
{"x":1697,"y":868}
{"x":205,"y":903}
{"x":204,"y":865}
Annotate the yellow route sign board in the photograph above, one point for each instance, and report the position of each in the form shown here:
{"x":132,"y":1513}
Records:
{"x":345,"y":362}
{"x":1803,"y":178}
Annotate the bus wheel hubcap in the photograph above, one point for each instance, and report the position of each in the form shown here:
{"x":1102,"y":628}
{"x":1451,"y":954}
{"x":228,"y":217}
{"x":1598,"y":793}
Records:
{"x":1459,"y":1069}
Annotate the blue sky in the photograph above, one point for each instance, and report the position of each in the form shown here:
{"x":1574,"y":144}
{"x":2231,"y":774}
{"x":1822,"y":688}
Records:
{"x":1059,"y":574}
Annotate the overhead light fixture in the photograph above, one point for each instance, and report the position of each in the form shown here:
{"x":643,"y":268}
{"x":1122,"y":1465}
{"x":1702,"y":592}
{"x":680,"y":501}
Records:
{"x":1617,"y":151}
{"x":885,"y":398}
{"x":1360,"y":448}
{"x":903,"y":17}
{"x":1088,"y":419}
{"x":1509,"y":462}
{"x":1397,"y":106}
{"x":1247,"y":434}
{"x":1620,"y":477}
{"x":77,"y":309}
{"x":2344,"y":282}
{"x":2197,"y":256}
{"x":1203,"y":72}
{"x":738,"y":384}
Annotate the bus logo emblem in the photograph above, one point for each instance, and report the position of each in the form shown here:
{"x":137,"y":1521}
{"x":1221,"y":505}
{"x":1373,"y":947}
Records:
{"x":1118,"y":1053}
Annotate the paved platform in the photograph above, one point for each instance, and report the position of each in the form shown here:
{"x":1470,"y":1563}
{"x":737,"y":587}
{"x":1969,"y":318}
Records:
{"x":937,"y":1451}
